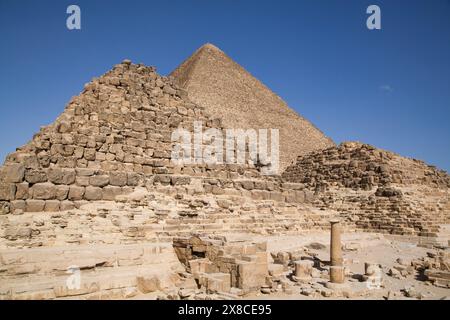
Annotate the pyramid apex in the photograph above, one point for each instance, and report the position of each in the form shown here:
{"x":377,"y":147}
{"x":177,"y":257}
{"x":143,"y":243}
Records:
{"x":209,"y":46}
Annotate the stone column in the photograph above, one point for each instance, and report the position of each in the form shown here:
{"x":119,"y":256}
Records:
{"x":303,"y":270}
{"x":335,"y":244}
{"x":337,"y":274}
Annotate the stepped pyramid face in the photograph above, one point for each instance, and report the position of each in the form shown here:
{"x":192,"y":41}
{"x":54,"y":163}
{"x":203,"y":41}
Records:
{"x":225,"y":89}
{"x":111,"y":147}
{"x":115,"y":137}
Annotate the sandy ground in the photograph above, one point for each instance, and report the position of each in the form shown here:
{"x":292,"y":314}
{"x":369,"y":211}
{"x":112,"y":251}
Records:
{"x":358,"y":248}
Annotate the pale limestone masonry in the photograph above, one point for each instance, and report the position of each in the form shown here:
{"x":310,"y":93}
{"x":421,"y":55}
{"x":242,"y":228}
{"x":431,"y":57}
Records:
{"x":107,"y":271}
{"x":220,"y":265}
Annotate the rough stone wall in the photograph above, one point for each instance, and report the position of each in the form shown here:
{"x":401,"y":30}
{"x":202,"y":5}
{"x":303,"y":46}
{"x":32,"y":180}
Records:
{"x":220,"y":265}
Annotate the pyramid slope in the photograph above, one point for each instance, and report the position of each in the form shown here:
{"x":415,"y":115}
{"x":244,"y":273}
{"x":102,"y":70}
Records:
{"x":225,"y":89}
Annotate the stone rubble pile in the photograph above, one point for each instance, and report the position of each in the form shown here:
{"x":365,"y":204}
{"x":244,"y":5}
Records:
{"x":360,"y":166}
{"x":376,"y":190}
{"x":219,"y":265}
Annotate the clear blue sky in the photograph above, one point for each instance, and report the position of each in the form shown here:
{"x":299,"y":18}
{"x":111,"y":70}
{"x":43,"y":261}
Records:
{"x":389,"y":88}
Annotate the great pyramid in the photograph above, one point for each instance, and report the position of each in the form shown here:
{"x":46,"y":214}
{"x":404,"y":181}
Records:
{"x":225,"y":89}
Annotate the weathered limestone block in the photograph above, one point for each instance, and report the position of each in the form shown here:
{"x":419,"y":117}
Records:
{"x":216,"y":190}
{"x":260,"y":185}
{"x":52,"y":205}
{"x":76,"y":193}
{"x":61,"y":192}
{"x":169,"y":90}
{"x":18,"y":205}
{"x":224,"y":203}
{"x":66,"y":205}
{"x":281,"y":258}
{"x":133,"y":179}
{"x":28,"y":160}
{"x":148,"y":284}
{"x":22,"y":191}
{"x":276,"y":270}
{"x":260,"y":194}
{"x":67,"y":162}
{"x":277,"y":196}
{"x":43,"y":191}
{"x":247,"y":185}
{"x":100,"y":156}
{"x":217,"y":282}
{"x":163,"y":179}
{"x":79,"y":152}
{"x":93,"y":193}
{"x":13,"y":173}
{"x":251,"y":275}
{"x":35,"y":176}
{"x":34,"y":205}
{"x":7,"y":191}
{"x":85,"y":172}
{"x":86,"y":288}
{"x":64,"y":127}
{"x":177,"y":180}
{"x":118,"y":178}
{"x":295,"y":196}
{"x":82,"y":181}
{"x":89,"y":154}
{"x":61,"y":176}
{"x":110,"y":192}
{"x":14,"y":233}
{"x":99,"y":181}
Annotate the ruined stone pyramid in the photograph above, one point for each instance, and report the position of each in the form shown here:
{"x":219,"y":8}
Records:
{"x":114,"y":138}
{"x":97,"y":189}
{"x":376,"y":189}
{"x":225,"y":89}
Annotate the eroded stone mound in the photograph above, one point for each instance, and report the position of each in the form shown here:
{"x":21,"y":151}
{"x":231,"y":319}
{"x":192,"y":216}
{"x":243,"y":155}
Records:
{"x":361,"y":166}
{"x":217,"y":83}
{"x":377,"y":190}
